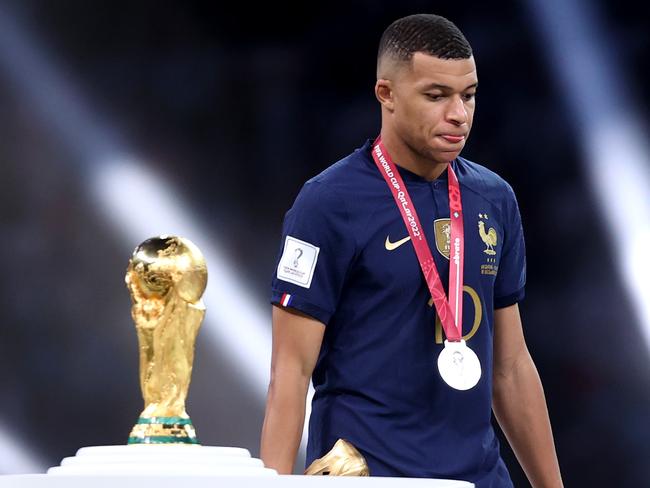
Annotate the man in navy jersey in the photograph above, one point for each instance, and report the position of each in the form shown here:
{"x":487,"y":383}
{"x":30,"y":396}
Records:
{"x":353,"y":311}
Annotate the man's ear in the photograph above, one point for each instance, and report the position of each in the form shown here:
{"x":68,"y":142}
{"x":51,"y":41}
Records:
{"x":384,"y":93}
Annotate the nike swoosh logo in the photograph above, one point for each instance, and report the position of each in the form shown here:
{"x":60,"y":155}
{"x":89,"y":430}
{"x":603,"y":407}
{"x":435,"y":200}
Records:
{"x":391,"y":246}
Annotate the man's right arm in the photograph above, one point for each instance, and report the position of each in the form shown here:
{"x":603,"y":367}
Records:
{"x":297,"y":340}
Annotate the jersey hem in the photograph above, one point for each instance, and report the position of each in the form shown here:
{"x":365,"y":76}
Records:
{"x":506,"y":301}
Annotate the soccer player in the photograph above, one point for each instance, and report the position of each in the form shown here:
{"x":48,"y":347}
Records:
{"x":353,"y":289}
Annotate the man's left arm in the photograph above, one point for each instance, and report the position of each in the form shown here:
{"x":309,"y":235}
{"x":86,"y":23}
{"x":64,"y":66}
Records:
{"x":519,"y":404}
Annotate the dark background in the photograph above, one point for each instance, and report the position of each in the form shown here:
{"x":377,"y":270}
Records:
{"x":235,"y":107}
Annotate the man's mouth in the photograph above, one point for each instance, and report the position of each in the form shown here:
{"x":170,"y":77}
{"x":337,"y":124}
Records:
{"x":451,"y":138}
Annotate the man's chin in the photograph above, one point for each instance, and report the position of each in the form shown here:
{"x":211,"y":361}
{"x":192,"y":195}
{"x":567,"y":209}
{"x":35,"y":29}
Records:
{"x":445,"y":156}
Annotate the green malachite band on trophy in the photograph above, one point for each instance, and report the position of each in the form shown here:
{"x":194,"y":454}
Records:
{"x":165,"y":421}
{"x":163,"y":430}
{"x":160,"y":439}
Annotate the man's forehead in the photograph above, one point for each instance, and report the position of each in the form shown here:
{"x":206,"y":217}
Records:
{"x":427,"y":69}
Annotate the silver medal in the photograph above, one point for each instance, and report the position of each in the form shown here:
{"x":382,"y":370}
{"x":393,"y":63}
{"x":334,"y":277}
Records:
{"x":459,"y":366}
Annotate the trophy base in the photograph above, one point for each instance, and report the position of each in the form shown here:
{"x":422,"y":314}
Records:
{"x":163,"y":430}
{"x":165,"y":460}
{"x":171,"y":466}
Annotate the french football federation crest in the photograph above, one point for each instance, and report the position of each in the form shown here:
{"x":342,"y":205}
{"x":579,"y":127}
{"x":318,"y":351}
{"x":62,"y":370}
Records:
{"x":489,"y":237}
{"x":442,"y":231}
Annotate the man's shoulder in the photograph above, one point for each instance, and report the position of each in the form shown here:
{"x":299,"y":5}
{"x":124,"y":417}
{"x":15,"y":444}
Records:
{"x":483,"y":180}
{"x":340,"y":183}
{"x":330,"y":200}
{"x":348,"y":172}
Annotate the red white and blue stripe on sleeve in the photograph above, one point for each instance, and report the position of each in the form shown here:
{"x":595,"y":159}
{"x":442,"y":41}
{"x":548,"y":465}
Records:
{"x":285,"y":301}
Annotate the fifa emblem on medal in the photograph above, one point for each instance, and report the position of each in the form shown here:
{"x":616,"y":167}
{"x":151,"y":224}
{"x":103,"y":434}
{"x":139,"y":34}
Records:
{"x":459,"y":366}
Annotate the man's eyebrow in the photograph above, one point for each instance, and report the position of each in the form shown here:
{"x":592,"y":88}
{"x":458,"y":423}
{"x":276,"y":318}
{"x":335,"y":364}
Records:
{"x":437,"y":86}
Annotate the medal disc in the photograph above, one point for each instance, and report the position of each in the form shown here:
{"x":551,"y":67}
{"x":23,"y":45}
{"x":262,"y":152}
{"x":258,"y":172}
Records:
{"x":459,"y":366}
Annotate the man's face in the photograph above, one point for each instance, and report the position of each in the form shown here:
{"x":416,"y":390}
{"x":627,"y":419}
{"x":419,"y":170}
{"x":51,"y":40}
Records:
{"x":434,"y":103}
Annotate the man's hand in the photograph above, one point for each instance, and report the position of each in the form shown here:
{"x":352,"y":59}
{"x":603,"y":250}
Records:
{"x":297,"y":340}
{"x":519,"y":404}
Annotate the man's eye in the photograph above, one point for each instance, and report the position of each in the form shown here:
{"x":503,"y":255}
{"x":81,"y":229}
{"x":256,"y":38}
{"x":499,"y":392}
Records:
{"x":469,"y":96}
{"x":433,"y":97}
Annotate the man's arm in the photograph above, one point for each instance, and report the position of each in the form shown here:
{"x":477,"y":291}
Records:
{"x":519,"y":404}
{"x":296,"y":343}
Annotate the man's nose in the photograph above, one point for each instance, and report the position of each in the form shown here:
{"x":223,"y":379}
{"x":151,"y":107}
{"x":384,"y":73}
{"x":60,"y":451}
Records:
{"x":456,"y":111}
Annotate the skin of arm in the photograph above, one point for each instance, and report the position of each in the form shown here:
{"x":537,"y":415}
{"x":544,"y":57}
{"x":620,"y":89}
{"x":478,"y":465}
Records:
{"x":297,"y":340}
{"x":519,"y":403}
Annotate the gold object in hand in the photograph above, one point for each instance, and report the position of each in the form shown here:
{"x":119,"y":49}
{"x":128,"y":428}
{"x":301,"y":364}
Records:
{"x":343,"y":460}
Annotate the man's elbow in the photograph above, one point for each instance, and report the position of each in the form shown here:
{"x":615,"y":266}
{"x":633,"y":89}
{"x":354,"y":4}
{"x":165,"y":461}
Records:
{"x":283,"y":376}
{"x":513,"y":374}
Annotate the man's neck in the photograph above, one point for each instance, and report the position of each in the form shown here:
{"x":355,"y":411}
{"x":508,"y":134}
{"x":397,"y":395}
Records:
{"x":406,"y":158}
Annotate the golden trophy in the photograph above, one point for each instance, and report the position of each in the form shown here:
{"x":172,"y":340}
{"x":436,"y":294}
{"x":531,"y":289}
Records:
{"x":166,"y":278}
{"x":343,"y":460}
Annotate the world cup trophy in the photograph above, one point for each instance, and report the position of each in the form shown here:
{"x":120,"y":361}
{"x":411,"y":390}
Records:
{"x":166,"y":278}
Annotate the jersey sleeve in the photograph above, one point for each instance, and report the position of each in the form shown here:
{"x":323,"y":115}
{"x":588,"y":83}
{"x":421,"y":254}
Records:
{"x":509,"y":286}
{"x":316,"y":250}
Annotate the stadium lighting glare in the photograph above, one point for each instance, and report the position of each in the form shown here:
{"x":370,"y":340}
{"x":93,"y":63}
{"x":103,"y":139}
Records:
{"x":15,"y":457}
{"x":140,"y":204}
{"x":615,"y":145}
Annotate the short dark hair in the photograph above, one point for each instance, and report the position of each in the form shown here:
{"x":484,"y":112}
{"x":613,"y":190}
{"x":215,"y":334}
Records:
{"x":428,"y":33}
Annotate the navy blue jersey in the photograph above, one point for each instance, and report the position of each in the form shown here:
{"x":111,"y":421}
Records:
{"x":346,"y":260}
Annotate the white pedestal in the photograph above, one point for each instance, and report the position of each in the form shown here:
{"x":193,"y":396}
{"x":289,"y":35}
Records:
{"x":117,"y":481}
{"x":191,"y":466}
{"x":162,"y":460}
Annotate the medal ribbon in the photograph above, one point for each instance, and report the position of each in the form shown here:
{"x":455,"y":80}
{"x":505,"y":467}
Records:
{"x":450,"y":312}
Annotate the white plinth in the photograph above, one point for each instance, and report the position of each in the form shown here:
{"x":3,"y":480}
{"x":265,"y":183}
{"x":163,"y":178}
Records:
{"x":284,"y":481}
{"x":161,"y":459}
{"x":191,"y":466}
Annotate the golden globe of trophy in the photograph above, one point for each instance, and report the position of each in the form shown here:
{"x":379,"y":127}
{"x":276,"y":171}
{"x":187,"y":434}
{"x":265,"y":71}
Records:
{"x":166,"y":278}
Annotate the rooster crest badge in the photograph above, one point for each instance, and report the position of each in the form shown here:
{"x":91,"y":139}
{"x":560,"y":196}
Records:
{"x":489,"y":237}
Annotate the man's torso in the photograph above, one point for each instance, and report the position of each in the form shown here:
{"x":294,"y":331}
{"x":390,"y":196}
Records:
{"x":376,"y":380}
